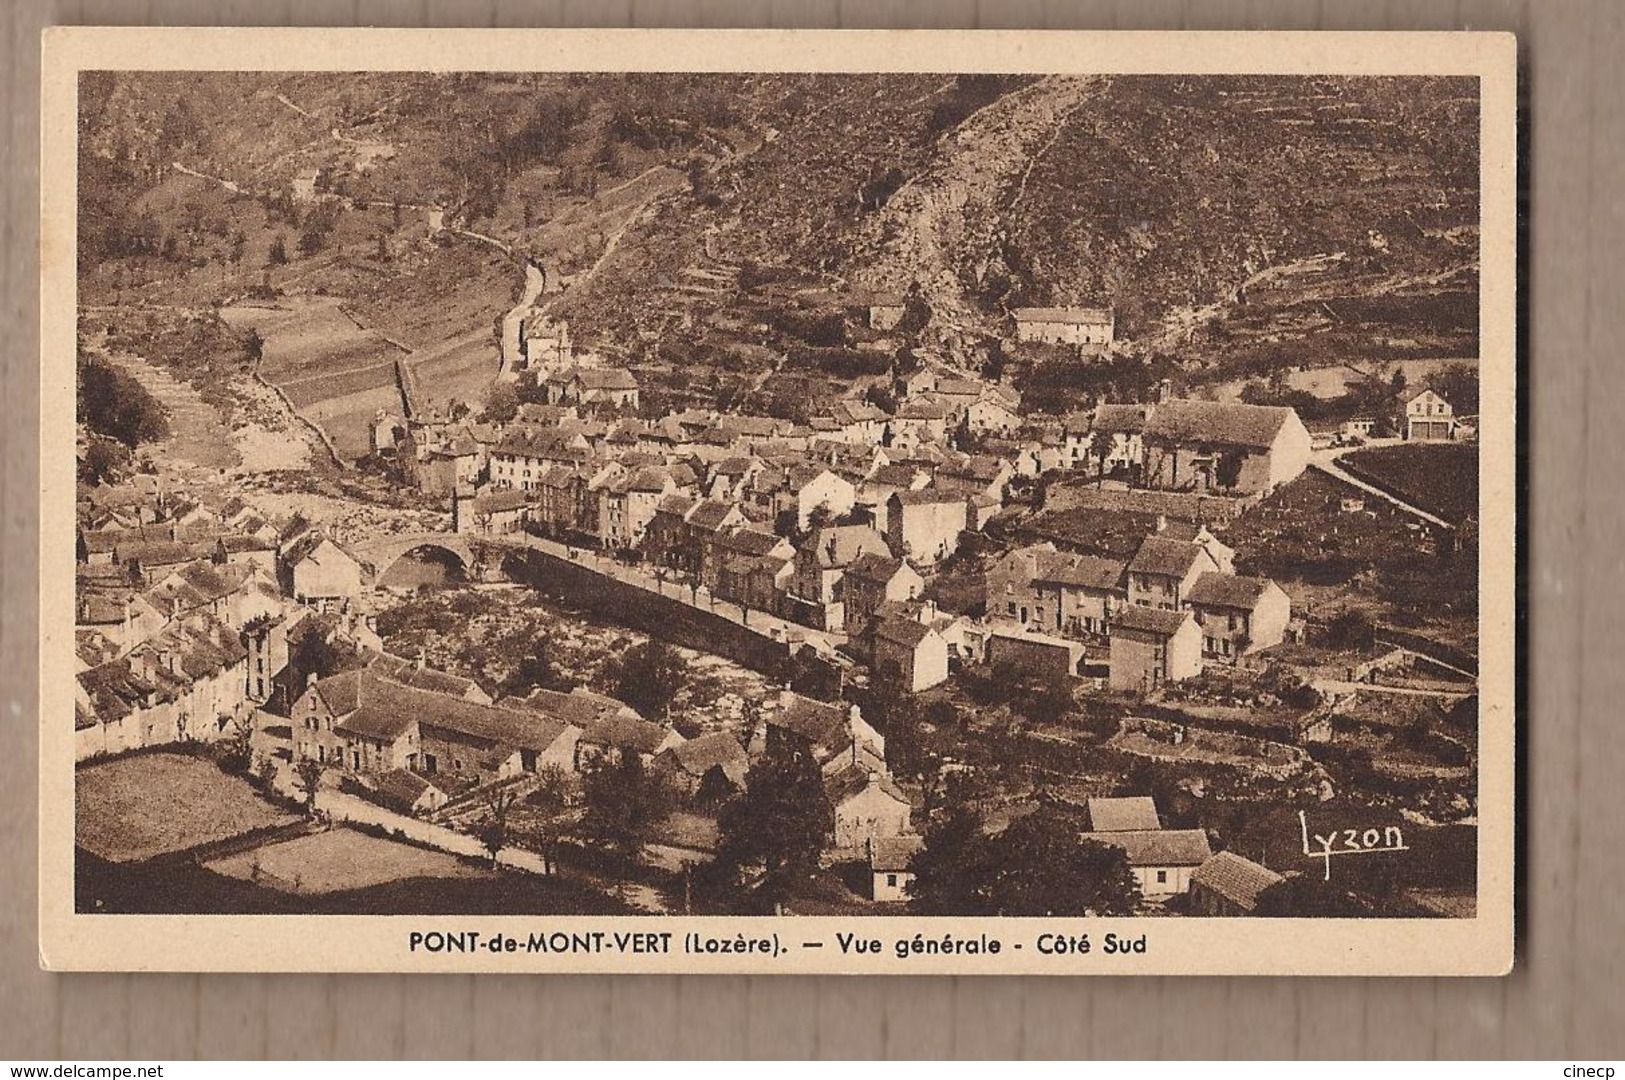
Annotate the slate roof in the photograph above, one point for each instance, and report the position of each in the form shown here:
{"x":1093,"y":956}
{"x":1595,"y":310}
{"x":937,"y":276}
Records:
{"x":1237,"y":879}
{"x":1228,"y":591}
{"x":1079,"y":571}
{"x":1150,"y":620}
{"x":1125,"y":814}
{"x":1164,"y":557}
{"x":872,"y":566}
{"x":843,"y":784}
{"x":745,"y":540}
{"x":922,"y":410}
{"x":840,"y":545}
{"x":1223,"y":422}
{"x":579,"y":707}
{"x":605,"y":379}
{"x":891,"y":854}
{"x":1073,"y":315}
{"x":401,"y":789}
{"x":1158,"y":847}
{"x":716,"y":750}
{"x":906,"y":632}
{"x":626,"y":733}
{"x":927,"y":497}
{"x":1120,"y":419}
{"x":372,"y":706}
{"x":710,"y":514}
{"x":407,"y":673}
{"x":823,"y":724}
{"x":500,"y":500}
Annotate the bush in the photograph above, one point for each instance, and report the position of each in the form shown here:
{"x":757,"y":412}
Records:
{"x":113,"y":404}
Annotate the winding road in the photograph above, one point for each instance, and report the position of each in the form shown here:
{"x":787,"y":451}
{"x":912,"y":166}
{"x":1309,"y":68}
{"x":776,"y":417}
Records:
{"x":1327,"y":462}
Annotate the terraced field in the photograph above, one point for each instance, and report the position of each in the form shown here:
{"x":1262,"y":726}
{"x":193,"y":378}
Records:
{"x":335,"y":373}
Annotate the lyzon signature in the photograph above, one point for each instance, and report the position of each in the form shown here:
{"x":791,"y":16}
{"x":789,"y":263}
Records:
{"x":1350,"y":842}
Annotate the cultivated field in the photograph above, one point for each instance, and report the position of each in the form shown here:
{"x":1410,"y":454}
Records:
{"x":335,"y":373}
{"x":1441,"y":478}
{"x":152,"y":804}
{"x":337,"y":860}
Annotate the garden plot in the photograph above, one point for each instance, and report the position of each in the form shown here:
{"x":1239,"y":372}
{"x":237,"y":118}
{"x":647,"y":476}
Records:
{"x":144,"y":805}
{"x":338,"y":860}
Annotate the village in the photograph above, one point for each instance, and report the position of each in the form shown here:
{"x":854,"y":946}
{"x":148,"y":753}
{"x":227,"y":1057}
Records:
{"x":942,"y":626}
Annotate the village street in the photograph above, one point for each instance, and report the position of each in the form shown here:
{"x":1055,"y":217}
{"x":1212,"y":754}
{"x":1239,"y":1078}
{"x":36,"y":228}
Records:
{"x":694,"y":595}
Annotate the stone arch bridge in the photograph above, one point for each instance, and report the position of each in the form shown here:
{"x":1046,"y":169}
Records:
{"x":386,"y":553}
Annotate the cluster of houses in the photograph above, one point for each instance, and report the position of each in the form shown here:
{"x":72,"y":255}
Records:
{"x":422,"y":741}
{"x":1169,"y":863}
{"x":1176,"y":605}
{"x":185,"y":608}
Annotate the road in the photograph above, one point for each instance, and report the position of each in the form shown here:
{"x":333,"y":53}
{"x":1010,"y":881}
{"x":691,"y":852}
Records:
{"x":513,"y":323}
{"x":698,"y":597}
{"x":1330,"y":687}
{"x":1327,"y":462}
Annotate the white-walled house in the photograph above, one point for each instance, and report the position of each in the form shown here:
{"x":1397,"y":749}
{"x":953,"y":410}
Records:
{"x":1238,"y":615}
{"x":1212,"y":446}
{"x":1429,"y":417}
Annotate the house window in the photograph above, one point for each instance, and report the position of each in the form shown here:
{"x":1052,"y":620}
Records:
{"x":891,"y":881}
{"x":1162,"y":877}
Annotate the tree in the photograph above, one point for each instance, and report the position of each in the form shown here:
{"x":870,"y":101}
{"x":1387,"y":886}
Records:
{"x":253,"y":345}
{"x":1350,"y":629}
{"x":624,"y":802}
{"x":279,"y":251}
{"x":550,"y":800}
{"x":538,"y":669}
{"x":239,"y":751}
{"x":312,"y":240}
{"x":113,"y":404}
{"x":501,"y":403}
{"x":1036,"y":867}
{"x":948,"y":870}
{"x":773,"y":833}
{"x":648,"y":676}
{"x":308,"y":778}
{"x":1100,"y":447}
{"x":494,"y":829}
{"x":1307,"y":895}
{"x":1227,"y":469}
{"x":105,"y":460}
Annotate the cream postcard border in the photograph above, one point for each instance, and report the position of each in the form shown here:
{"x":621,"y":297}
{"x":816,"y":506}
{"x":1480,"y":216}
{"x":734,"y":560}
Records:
{"x":1482,"y":945}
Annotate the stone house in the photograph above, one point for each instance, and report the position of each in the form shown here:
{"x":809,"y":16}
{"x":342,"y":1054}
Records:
{"x":1162,"y":860}
{"x":1210,"y":446}
{"x":1238,"y":615}
{"x":925,"y":527}
{"x":1429,"y":417}
{"x":1164,"y":570}
{"x":907,"y":654}
{"x":319,"y":568}
{"x":1065,"y":325}
{"x":1227,"y":885}
{"x":816,"y":597}
{"x":1151,"y":647}
{"x":868,"y":807}
{"x":873,"y":580}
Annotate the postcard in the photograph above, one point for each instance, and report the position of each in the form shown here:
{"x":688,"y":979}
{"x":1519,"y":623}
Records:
{"x":778,"y":502}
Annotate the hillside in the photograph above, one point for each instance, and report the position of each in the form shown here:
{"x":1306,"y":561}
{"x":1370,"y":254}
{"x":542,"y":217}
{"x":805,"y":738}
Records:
{"x":707,"y":227}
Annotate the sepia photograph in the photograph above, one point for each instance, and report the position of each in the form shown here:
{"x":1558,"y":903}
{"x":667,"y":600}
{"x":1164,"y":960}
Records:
{"x":1046,"y":498}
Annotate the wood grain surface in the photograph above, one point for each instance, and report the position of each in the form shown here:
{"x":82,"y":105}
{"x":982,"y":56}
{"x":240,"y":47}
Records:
{"x":1564,"y":999}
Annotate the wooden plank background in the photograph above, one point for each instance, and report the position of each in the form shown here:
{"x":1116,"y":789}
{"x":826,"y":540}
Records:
{"x":1564,"y":999}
